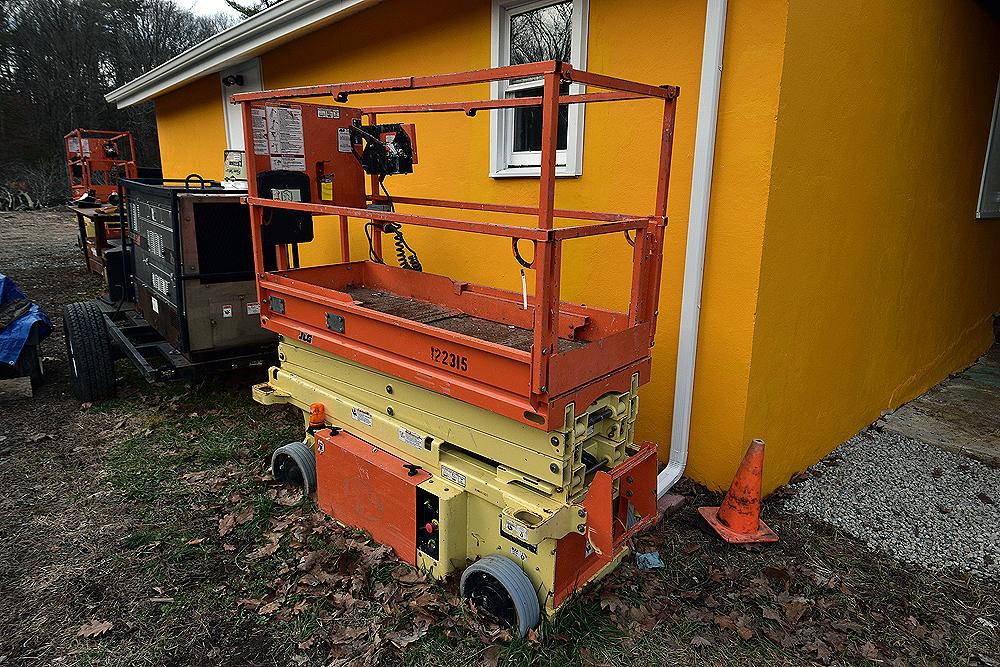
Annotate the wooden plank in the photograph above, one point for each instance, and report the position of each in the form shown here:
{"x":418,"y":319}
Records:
{"x":15,"y":389}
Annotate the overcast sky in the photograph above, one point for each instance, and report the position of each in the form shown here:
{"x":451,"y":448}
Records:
{"x":208,"y":7}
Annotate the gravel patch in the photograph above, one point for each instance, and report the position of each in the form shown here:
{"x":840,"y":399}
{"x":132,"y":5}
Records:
{"x":909,"y":499}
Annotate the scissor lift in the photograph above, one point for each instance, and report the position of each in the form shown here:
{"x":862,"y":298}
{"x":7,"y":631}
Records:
{"x":458,"y":422}
{"x":96,"y":159}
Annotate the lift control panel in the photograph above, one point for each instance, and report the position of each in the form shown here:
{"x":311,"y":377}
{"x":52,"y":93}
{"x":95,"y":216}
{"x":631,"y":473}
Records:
{"x":313,"y":140}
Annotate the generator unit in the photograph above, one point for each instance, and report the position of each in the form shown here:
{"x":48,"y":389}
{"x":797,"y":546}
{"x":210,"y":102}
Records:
{"x":469,"y":427}
{"x":181,"y":293}
{"x":192,"y":266}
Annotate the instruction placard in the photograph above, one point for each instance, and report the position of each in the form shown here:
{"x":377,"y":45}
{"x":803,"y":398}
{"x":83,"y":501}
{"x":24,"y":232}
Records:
{"x":284,"y":131}
{"x":259,"y":120}
{"x":234,"y":168}
{"x":288,"y":162}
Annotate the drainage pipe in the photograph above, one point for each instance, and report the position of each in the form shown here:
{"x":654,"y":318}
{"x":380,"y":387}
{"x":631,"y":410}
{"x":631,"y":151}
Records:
{"x":697,"y":236}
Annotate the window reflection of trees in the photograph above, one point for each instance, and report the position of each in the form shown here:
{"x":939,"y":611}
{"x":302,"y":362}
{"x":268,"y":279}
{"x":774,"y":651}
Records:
{"x":542,"y":34}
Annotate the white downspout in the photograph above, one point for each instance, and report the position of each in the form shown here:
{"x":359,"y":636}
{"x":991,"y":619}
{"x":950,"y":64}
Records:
{"x":697,"y":236}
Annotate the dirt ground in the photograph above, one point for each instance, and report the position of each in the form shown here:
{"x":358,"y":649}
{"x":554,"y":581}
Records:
{"x":144,"y":531}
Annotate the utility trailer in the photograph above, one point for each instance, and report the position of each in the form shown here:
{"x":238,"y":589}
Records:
{"x":457,"y":422}
{"x":181,"y":297}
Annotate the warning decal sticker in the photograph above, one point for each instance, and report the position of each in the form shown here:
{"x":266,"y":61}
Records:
{"x":410,"y":438}
{"x":286,"y":194}
{"x":359,"y":415}
{"x":259,"y":120}
{"x":453,"y":476}
{"x":515,"y":528}
{"x":344,"y":140}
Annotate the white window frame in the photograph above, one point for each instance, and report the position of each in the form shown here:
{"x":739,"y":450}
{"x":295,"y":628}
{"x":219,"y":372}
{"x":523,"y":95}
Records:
{"x":992,"y":153}
{"x":504,"y":161}
{"x":232,"y":114}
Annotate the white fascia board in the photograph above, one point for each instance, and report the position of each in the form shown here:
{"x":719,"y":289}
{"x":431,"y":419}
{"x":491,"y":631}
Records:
{"x":244,"y":40}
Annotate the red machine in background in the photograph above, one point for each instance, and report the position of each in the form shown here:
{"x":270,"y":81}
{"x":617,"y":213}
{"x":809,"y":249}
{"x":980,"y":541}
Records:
{"x":96,"y":159}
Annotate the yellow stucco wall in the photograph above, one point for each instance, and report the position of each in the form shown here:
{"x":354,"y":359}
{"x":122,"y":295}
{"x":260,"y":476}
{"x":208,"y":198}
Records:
{"x":845,"y":271}
{"x":876,"y":279}
{"x":651,"y":42}
{"x":192,"y":129}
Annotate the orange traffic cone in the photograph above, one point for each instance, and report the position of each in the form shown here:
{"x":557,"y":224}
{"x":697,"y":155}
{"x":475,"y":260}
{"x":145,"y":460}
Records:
{"x":737,"y":521}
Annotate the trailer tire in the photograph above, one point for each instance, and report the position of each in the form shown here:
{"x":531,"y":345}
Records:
{"x":88,"y":352}
{"x":499,"y":586}
{"x":295,"y":463}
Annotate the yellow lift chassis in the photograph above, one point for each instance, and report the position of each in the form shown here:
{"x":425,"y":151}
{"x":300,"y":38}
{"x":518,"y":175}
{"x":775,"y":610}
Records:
{"x":444,"y":482}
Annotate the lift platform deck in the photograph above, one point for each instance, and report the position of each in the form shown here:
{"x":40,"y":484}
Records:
{"x":526,"y":357}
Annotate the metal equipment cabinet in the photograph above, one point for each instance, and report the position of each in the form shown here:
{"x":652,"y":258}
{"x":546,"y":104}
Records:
{"x":498,"y":425}
{"x":181,"y":294}
{"x":193,"y":266}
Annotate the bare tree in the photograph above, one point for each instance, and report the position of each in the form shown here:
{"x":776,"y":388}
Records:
{"x":252,"y":7}
{"x":59,"y":57}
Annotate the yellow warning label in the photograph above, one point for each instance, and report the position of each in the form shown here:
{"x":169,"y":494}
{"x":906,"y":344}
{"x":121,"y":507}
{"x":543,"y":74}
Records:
{"x":326,"y":190}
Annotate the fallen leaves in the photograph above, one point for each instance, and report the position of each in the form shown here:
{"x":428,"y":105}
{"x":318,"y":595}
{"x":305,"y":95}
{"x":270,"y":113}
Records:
{"x":794,"y":609}
{"x":869,"y":650}
{"x":266,"y":550}
{"x":94,"y":629}
{"x":367,"y":601}
{"x":365,"y":607}
{"x":233,"y":519}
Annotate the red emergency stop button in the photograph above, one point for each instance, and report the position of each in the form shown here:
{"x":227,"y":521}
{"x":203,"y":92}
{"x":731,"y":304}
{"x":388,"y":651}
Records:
{"x":429,"y":527}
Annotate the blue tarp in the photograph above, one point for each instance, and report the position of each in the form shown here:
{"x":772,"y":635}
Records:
{"x":16,"y":334}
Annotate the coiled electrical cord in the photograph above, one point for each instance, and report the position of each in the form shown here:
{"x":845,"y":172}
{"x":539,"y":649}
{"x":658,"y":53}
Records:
{"x":405,"y":255}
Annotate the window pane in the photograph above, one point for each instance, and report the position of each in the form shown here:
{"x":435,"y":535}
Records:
{"x":545,"y":33}
{"x":528,"y":121}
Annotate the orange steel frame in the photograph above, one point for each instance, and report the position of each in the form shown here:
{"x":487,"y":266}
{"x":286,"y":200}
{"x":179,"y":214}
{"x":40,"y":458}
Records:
{"x":551,"y":379}
{"x":94,"y":162}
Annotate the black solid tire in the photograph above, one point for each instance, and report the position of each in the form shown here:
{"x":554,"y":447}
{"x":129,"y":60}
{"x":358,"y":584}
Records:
{"x":88,"y":352}
{"x":499,"y":586}
{"x":295,"y":463}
